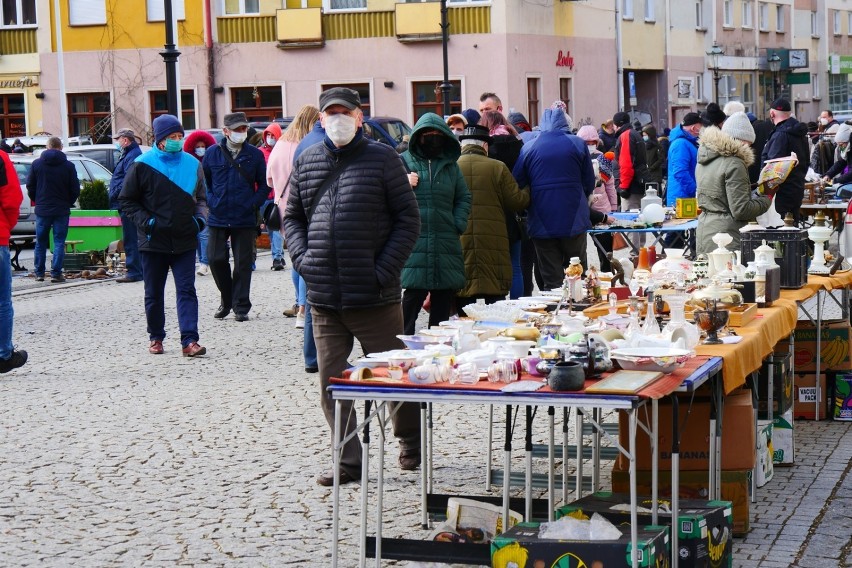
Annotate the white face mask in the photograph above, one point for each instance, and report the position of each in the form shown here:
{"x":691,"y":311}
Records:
{"x":200,"y":151}
{"x":237,"y":137}
{"x":340,"y":128}
{"x":823,"y":121}
{"x":270,"y":141}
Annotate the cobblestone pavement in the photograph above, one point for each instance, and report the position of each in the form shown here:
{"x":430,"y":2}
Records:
{"x":113,"y":457}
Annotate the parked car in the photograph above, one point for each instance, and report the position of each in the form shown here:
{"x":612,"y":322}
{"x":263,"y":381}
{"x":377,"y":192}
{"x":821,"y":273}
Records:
{"x":105,"y":154}
{"x":217,"y":133}
{"x":87,"y":170}
{"x":385,"y":129}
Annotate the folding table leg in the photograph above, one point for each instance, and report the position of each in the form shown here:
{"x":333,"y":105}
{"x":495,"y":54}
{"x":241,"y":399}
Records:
{"x":551,"y":413}
{"x":596,"y":450}
{"x":507,"y":467}
{"x":565,"y":416}
{"x":426,"y":462}
{"x":528,"y":447}
{"x":365,"y":472}
{"x":675,"y":480}
{"x":488,"y":442}
{"x":335,"y":464}
{"x":380,"y":483}
{"x":578,"y":432}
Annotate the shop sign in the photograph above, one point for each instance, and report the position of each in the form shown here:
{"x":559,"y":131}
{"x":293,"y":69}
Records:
{"x":565,"y":60}
{"x":840,"y":64}
{"x":19,"y":83}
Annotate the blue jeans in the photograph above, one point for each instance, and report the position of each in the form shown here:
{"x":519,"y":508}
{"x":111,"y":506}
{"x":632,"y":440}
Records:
{"x":310,"y":348}
{"x":300,"y":287}
{"x":155,"y":268}
{"x":131,"y":247}
{"x":517,"y":289}
{"x":201,"y":249}
{"x":44,"y":224}
{"x":7,"y":313}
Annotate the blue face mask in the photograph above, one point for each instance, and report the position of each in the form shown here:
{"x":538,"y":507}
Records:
{"x":118,"y":146}
{"x":173,"y":145}
{"x":200,"y":151}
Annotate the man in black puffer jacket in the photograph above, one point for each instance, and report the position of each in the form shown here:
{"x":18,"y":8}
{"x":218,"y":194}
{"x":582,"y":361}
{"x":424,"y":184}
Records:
{"x":351,"y":222}
{"x":789,"y":136}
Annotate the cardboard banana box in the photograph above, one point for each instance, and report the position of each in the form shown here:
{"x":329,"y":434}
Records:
{"x":835,"y":353}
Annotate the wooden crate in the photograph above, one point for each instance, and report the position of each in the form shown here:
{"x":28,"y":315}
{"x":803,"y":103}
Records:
{"x":741,"y":315}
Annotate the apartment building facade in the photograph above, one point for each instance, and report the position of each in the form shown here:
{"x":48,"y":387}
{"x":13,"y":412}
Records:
{"x":270,"y":57}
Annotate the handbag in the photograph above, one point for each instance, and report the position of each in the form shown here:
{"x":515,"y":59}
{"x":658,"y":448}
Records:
{"x":271,"y":215}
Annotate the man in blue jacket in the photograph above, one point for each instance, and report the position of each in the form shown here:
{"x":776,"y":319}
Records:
{"x":558,"y":170}
{"x":236,"y":188}
{"x":683,"y":158}
{"x":125,"y":140}
{"x":53,"y":186}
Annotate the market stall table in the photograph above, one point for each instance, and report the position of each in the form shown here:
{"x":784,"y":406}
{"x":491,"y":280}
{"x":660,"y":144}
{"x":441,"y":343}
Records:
{"x":679,"y":227}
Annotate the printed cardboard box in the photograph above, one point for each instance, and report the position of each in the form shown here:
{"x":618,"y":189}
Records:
{"x":521,"y":546}
{"x":763,"y":469}
{"x":783,"y":447}
{"x":842,"y":407}
{"x":737,"y":435}
{"x":834,"y":347}
{"x":805,"y":402}
{"x":736,"y":486}
{"x":705,"y":528}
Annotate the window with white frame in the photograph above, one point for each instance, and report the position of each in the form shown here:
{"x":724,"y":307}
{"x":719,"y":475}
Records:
{"x":699,"y":14}
{"x":779,"y":18}
{"x":748,"y":5}
{"x":345,"y":4}
{"x":814,"y":25}
{"x":763,"y":16}
{"x":849,"y":23}
{"x":728,"y":13}
{"x":837,"y":25}
{"x":649,"y":10}
{"x":627,"y":9}
{"x":157,"y":10}
{"x":15,"y":13}
{"x":239,"y":7}
{"x":815,"y":83}
{"x":699,"y":87}
{"x":86,"y":12}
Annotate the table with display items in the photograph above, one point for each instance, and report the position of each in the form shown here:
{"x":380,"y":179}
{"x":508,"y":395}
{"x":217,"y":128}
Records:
{"x":678,"y":229}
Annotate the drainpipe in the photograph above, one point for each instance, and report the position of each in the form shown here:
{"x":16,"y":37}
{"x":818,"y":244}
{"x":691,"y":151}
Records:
{"x":211,"y":64}
{"x":619,"y":60}
{"x":667,"y":61}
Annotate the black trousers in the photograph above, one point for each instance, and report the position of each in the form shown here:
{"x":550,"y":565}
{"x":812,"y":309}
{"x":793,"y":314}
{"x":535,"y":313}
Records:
{"x":529,"y":267}
{"x":554,"y":255}
{"x":412,"y":302}
{"x":233,"y":287}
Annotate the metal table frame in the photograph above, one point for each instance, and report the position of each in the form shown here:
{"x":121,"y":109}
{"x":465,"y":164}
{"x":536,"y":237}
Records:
{"x":656,"y":232}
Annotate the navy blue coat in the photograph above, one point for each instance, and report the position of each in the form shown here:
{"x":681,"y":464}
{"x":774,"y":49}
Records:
{"x":52,"y":184}
{"x":131,"y":152}
{"x":232,"y":201}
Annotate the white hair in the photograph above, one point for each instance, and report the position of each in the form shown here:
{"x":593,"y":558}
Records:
{"x":473,"y":141}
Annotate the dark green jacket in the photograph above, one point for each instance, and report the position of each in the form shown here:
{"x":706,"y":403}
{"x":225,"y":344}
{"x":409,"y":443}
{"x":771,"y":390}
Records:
{"x":436,"y":261}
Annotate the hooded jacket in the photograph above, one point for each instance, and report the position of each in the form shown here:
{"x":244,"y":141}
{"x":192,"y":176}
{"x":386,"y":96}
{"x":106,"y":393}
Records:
{"x":164,"y":195}
{"x":275,"y":130}
{"x":360,"y":233}
{"x":558,"y":170}
{"x":724,"y":192}
{"x":789,"y":136}
{"x":487,"y":264}
{"x":11,"y":198}
{"x":194,"y":138}
{"x":683,"y":158}
{"x":128,"y":156}
{"x":52,"y":184}
{"x":631,"y":162}
{"x":436,"y":262}
{"x":232,"y":200}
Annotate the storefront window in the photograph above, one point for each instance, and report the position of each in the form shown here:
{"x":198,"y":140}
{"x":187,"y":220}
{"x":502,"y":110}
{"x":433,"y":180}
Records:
{"x":737,"y":87}
{"x":86,"y":111}
{"x":259,"y":103}
{"x":159,"y":105}
{"x":13,"y":122}
{"x":840,"y":92}
{"x":18,"y":13}
{"x":363,"y":91}
{"x":428,"y":98}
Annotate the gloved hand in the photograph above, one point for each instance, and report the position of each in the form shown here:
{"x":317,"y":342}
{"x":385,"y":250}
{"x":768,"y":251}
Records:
{"x":624,"y":193}
{"x":149,"y":227}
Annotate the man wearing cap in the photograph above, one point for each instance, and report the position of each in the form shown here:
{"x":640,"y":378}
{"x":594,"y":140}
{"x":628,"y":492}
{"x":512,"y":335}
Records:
{"x":351,"y":222}
{"x":789,"y":136}
{"x":236,"y":188}
{"x":631,"y":164}
{"x":683,"y":157}
{"x":485,"y":242}
{"x":125,"y":141}
{"x":164,"y":195}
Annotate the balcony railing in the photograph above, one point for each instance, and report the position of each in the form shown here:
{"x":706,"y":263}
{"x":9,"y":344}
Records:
{"x":17,"y":41}
{"x":349,"y":25}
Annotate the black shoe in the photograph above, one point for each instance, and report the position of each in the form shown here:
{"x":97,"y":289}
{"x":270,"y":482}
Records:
{"x":222,"y":312}
{"x":278,"y":264}
{"x":409,"y":462}
{"x":241,"y":317}
{"x":312,"y":369}
{"x":57,"y":279}
{"x":17,"y":359}
{"x":327,"y":479}
{"x":39,"y":277}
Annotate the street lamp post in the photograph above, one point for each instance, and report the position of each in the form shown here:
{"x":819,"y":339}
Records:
{"x":170,"y":56}
{"x":713,"y":55}
{"x":774,"y":62}
{"x":446,"y":86}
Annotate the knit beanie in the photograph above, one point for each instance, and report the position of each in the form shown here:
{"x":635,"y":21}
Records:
{"x":732,"y":107}
{"x":605,"y":163}
{"x":564,"y":108}
{"x":842,"y":134}
{"x":588,"y":133}
{"x":714,"y":114}
{"x":164,"y":125}
{"x":471,"y":116}
{"x":739,"y":126}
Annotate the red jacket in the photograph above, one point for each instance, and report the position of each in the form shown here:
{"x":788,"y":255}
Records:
{"x":11,"y":197}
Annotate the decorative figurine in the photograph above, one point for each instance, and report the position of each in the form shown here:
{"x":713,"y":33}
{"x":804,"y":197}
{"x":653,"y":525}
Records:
{"x":617,"y":270}
{"x":593,"y":285}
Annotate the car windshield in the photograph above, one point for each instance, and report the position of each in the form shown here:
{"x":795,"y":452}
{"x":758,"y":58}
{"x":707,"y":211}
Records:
{"x":396,"y":128}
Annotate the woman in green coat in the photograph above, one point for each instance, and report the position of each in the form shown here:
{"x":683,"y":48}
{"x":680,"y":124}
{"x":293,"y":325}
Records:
{"x":436,"y":266}
{"x":724,"y":191}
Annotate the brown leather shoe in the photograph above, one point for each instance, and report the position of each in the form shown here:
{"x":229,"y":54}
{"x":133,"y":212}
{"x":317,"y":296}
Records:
{"x":194,"y":350}
{"x":327,"y":479}
{"x":409,"y":462}
{"x":156,"y":347}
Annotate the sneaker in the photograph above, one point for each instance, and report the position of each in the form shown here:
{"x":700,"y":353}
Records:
{"x":17,"y":359}
{"x":292,"y":312}
{"x":203,"y":270}
{"x":300,"y":321}
{"x":278,"y":264}
{"x":57,"y":279}
{"x":39,"y":277}
{"x":156,"y":347}
{"x":194,"y":350}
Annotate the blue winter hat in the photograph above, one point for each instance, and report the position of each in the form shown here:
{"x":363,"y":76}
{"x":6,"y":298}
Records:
{"x":164,"y":125}
{"x":472,"y":116}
